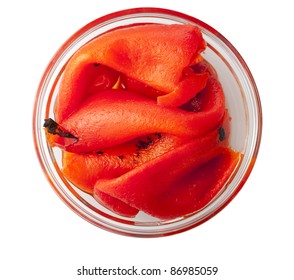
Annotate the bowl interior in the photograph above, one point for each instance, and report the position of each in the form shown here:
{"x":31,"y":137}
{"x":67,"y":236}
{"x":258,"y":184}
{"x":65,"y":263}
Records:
{"x":241,"y":99}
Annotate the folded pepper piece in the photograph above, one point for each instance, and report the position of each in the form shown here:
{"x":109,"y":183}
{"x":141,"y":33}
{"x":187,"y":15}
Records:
{"x":185,"y":90}
{"x":195,"y":80}
{"x":83,"y":170}
{"x":113,"y":117}
{"x":146,"y":183}
{"x":192,"y":192}
{"x":154,"y":54}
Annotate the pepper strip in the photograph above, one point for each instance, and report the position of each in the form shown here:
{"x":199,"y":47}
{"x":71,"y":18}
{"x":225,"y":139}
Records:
{"x":198,"y":188}
{"x":154,"y":54}
{"x":113,"y":117}
{"x":83,"y":170}
{"x":146,"y":183}
{"x":186,"y":90}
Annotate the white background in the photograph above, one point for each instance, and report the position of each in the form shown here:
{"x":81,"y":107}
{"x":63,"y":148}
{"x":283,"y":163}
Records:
{"x":41,"y":238}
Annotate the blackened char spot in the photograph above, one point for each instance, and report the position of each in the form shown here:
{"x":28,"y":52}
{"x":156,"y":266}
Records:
{"x":54,"y":128}
{"x":150,"y":140}
{"x":144,"y":144}
{"x":222,"y":134}
{"x":158,"y":135}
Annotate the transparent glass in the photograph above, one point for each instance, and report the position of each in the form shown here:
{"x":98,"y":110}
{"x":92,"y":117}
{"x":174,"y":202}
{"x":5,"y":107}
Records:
{"x":242,"y":101}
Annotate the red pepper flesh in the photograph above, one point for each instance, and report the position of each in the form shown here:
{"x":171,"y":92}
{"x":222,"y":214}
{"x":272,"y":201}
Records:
{"x":113,"y":117}
{"x":192,"y":193}
{"x":154,"y":54}
{"x":142,"y":122}
{"x":147,"y":182}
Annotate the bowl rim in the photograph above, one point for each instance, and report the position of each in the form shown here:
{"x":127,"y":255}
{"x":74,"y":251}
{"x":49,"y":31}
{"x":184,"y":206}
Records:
{"x":147,"y":11}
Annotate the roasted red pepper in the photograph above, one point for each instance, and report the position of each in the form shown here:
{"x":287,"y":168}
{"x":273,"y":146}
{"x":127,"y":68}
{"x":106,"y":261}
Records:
{"x":152,"y":54}
{"x":188,"y":88}
{"x":142,"y":121}
{"x":146,"y":183}
{"x":172,"y":193}
{"x":93,"y":78}
{"x":113,"y":117}
{"x":85,"y":169}
{"x":193,"y":192}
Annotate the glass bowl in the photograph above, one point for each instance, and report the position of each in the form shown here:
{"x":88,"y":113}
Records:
{"x":242,"y":101}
